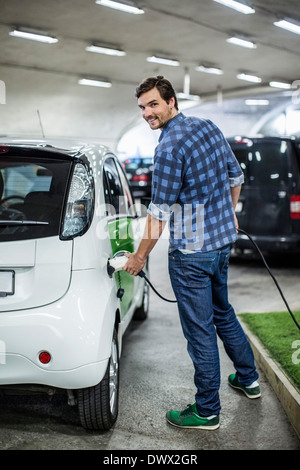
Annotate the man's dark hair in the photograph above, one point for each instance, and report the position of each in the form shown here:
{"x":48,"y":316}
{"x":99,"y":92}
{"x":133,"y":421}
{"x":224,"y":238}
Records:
{"x":163,"y":85}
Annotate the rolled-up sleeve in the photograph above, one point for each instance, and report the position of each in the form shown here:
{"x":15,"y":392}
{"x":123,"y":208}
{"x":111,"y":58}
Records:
{"x":237,"y":181}
{"x":158,"y":212}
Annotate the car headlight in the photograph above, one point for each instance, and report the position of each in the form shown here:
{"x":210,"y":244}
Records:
{"x":80,"y":203}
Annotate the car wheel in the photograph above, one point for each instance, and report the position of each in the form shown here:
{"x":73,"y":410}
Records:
{"x":98,"y":405}
{"x":141,"y":312}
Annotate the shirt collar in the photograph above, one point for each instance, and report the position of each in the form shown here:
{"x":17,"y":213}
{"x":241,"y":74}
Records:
{"x":171,"y":123}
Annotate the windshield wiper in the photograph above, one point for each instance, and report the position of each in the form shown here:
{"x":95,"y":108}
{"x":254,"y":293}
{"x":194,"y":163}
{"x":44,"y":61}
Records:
{"x":22,"y":222}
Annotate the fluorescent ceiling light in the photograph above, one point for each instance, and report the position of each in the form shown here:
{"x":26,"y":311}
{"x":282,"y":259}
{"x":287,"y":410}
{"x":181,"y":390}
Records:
{"x":248,"y":78}
{"x":256,"y":102}
{"x":105,"y":50}
{"x":125,"y":7}
{"x":209,"y":69}
{"x":241,"y":42}
{"x":40,"y":37}
{"x":283,"y":85}
{"x":163,"y":61}
{"x":289,"y":25}
{"x":238,"y":6}
{"x":98,"y":83}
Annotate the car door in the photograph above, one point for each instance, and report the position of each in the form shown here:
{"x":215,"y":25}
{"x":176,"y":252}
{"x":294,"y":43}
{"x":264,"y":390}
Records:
{"x":121,"y":214}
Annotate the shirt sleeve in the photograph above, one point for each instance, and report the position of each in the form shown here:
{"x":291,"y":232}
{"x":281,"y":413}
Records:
{"x":166,"y":184}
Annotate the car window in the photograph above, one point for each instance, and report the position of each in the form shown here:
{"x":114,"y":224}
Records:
{"x":118,"y":196}
{"x":127,"y":192}
{"x":32,"y":194}
{"x":264,"y":163}
{"x":297,"y":146}
{"x":115,"y":199}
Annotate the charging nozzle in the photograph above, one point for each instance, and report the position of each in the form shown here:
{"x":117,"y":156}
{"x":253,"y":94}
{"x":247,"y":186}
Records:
{"x":117,"y":262}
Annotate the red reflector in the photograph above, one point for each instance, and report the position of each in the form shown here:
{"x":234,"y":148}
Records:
{"x":295,"y":206}
{"x":45,"y":357}
{"x":4,"y":148}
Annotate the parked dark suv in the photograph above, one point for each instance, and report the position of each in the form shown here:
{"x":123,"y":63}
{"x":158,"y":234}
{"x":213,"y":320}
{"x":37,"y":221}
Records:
{"x":269,"y":204}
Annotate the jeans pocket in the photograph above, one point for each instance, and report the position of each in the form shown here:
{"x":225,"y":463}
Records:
{"x":197,"y":271}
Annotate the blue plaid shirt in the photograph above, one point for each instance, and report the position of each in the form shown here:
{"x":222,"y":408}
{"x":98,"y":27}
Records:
{"x":194,"y":168}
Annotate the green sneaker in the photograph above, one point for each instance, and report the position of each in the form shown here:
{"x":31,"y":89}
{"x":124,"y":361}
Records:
{"x":189,"y":418}
{"x":253,"y":392}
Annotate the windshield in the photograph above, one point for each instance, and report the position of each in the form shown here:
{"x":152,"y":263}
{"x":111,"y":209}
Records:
{"x":135,"y":163}
{"x":32,"y":191}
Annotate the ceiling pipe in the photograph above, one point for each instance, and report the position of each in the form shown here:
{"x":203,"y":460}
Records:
{"x":186,"y":82}
{"x":185,"y":95}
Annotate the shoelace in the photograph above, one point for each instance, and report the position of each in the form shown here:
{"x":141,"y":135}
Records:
{"x":187,"y":410}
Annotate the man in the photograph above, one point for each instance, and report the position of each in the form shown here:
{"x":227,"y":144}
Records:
{"x":196,"y":185}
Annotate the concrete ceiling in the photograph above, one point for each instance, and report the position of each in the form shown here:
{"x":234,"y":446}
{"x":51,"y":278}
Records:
{"x":41,"y":80}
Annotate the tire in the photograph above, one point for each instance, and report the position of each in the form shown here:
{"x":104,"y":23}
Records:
{"x":141,"y":312}
{"x":98,"y":406}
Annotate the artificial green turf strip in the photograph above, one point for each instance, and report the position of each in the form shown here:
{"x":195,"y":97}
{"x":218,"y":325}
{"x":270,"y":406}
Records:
{"x":280,"y":336}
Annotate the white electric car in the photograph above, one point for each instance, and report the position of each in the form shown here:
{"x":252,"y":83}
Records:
{"x":64,"y":212}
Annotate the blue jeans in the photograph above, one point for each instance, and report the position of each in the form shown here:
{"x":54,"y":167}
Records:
{"x":199,"y":281}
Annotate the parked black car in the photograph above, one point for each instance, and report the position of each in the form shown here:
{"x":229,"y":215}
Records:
{"x":269,"y":204}
{"x":139,"y":174}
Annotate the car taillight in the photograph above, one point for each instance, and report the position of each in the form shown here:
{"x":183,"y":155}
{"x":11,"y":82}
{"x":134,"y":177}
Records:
{"x":295,"y":206}
{"x":80,"y":204}
{"x":4,"y":148}
{"x":142,"y":177}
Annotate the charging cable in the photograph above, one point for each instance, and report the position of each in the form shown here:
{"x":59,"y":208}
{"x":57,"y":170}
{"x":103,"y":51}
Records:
{"x":142,"y":274}
{"x":117,"y":263}
{"x":119,"y":260}
{"x":271,"y":274}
